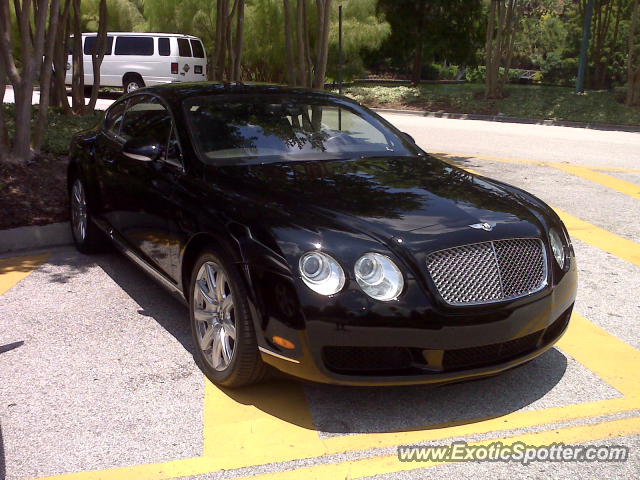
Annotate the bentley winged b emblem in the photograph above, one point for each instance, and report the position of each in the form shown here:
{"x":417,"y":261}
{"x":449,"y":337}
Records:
{"x":486,"y":226}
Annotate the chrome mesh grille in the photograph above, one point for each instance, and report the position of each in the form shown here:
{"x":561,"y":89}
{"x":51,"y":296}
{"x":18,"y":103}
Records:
{"x":488,"y":271}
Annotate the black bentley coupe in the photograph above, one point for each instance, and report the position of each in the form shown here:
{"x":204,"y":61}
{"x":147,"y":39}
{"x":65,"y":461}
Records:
{"x":308,"y":234}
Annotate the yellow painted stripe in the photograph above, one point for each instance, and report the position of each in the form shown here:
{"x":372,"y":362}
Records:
{"x":613,"y":360}
{"x":456,"y":156}
{"x":622,"y":186}
{"x":153,"y":471}
{"x":15,"y":269}
{"x":264,"y":423}
{"x":601,"y":238}
{"x":381,"y":465}
{"x":272,"y":423}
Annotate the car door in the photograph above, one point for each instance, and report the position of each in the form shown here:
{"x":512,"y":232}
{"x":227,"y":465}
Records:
{"x":139,"y":190}
{"x":108,"y":147}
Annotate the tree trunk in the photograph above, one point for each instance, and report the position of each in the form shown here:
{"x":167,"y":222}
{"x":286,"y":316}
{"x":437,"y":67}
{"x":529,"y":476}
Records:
{"x":45,"y":77}
{"x":501,"y":29}
{"x":292,"y":75}
{"x":489,"y":47}
{"x":222,"y":26}
{"x":77,"y":82}
{"x":97,"y":56}
{"x":303,"y":43}
{"x":324,"y":23}
{"x":419,"y":44}
{"x":31,"y":39}
{"x":60,"y":59}
{"x":633,"y":65}
{"x":239,"y":42}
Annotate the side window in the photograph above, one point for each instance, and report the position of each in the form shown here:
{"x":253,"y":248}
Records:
{"x":184,"y":50}
{"x":164,"y":48}
{"x":134,"y":46}
{"x":90,"y":45}
{"x":113,"y":120}
{"x":146,"y":118}
{"x":198,"y":51}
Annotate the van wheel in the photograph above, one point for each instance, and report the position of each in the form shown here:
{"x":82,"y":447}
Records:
{"x":132,"y":82}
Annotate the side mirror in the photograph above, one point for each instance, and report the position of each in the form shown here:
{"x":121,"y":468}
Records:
{"x":142,"y":149}
{"x":408,"y":137}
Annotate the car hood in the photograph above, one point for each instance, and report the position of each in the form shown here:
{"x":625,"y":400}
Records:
{"x":388,"y":196}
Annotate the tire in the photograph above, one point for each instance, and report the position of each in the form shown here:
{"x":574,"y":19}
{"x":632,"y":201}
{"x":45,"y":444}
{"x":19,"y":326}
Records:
{"x":87,"y":237}
{"x":223,"y":334}
{"x":132,"y":82}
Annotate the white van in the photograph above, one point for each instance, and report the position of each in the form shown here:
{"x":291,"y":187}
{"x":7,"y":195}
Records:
{"x":134,"y":60}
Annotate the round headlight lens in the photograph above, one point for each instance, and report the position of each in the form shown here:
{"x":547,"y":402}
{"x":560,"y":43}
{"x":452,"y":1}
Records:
{"x":557,"y":247}
{"x":379,"y":277}
{"x":321,"y":273}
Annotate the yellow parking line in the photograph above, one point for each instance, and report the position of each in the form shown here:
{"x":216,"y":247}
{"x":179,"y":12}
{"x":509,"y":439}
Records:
{"x":151,"y":471}
{"x":15,"y":269}
{"x":600,"y":238}
{"x":622,"y":186}
{"x":455,"y":156}
{"x":265,"y":423}
{"x":603,"y":354}
{"x":368,"y":467}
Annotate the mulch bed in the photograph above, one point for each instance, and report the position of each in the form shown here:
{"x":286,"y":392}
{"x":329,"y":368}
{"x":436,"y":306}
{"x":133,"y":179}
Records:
{"x":34,"y":193}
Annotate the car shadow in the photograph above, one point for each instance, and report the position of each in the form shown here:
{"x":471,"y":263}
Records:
{"x":339,"y":410}
{"x":343,"y":410}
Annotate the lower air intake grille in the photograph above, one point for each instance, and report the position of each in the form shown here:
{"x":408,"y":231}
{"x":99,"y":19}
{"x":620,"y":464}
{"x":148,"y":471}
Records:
{"x":489,"y":271}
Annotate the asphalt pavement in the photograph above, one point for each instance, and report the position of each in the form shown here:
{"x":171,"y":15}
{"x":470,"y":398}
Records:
{"x":97,"y":379}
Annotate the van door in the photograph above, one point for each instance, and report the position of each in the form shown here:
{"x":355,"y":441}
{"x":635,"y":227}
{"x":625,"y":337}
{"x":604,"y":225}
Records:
{"x":192,"y":64}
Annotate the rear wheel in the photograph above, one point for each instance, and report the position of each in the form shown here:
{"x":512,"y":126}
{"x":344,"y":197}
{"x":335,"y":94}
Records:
{"x":221,"y":325}
{"x":87,"y":237}
{"x":132,"y":82}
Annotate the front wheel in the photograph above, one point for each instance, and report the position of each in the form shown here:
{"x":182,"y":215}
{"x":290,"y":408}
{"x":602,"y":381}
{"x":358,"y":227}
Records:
{"x":86,"y":236}
{"x":221,"y":325}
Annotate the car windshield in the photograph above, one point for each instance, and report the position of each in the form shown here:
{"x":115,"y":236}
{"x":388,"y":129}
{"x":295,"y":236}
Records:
{"x":231,"y":129}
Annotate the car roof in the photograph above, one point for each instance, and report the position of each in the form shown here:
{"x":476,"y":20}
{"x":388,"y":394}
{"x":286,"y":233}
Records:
{"x":176,"y":92}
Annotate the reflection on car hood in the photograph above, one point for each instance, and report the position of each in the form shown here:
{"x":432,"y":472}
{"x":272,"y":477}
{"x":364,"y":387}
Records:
{"x":393,"y":195}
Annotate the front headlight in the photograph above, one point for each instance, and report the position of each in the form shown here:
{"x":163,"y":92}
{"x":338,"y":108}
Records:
{"x":379,"y":277}
{"x":557,"y":247}
{"x":321,"y":273}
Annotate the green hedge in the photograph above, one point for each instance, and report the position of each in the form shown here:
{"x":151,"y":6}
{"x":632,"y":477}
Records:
{"x":60,"y":129}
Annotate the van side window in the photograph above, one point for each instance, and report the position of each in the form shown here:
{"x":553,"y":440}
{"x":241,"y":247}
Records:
{"x":184,"y":50}
{"x":198,"y":51}
{"x":163,"y":47}
{"x":114,"y":117}
{"x":91,"y":42}
{"x":134,"y":46}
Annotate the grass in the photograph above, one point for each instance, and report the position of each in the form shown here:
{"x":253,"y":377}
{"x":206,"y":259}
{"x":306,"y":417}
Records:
{"x":60,"y":129}
{"x":528,"y":101}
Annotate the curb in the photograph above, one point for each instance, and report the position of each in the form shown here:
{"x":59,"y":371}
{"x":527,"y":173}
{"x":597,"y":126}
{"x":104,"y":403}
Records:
{"x":39,"y":236}
{"x":506,"y":119}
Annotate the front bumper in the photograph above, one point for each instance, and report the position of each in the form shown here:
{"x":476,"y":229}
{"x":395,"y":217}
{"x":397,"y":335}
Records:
{"x":350,"y":345}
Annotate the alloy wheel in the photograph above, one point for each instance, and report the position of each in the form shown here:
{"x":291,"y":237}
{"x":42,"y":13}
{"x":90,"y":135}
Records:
{"x":214,"y":314}
{"x":79,"y":210}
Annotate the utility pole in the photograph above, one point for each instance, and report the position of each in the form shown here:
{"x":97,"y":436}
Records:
{"x":584,"y":48}
{"x":340,"y":59}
